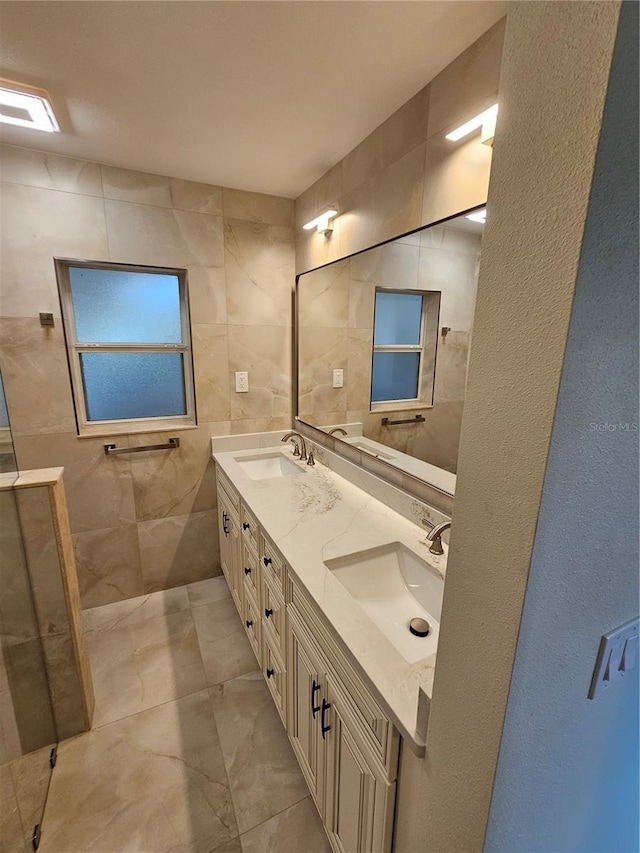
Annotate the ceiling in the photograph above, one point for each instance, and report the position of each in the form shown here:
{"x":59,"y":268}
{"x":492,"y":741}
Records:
{"x":263,"y":96}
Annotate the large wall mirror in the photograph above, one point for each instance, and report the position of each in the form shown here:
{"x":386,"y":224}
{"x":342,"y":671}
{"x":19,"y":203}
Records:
{"x":383,"y":345}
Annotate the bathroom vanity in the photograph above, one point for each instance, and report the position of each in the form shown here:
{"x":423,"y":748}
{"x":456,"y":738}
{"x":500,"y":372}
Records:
{"x":319,"y":571}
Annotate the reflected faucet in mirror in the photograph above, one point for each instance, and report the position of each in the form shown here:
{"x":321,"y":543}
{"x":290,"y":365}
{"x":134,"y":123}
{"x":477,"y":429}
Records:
{"x":337,"y":430}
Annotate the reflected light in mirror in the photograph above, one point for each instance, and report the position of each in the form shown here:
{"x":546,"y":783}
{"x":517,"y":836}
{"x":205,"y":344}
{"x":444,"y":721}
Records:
{"x":478,"y":216}
{"x":488,"y":117}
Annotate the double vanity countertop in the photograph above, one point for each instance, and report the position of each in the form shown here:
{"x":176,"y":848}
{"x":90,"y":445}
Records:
{"x":318,"y":516}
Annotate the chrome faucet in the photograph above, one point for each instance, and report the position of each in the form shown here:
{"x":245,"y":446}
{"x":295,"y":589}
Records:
{"x":300,"y":445}
{"x":435,"y":535}
{"x":337,"y":429}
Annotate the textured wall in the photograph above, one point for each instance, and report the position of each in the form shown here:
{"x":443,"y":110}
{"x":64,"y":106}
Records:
{"x":405,"y":174}
{"x":144,"y":522}
{"x":581,"y":756}
{"x":552,"y":90}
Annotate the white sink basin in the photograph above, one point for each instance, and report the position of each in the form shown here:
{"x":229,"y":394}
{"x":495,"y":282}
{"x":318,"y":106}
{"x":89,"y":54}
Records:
{"x":266,"y":466}
{"x":393,"y":586}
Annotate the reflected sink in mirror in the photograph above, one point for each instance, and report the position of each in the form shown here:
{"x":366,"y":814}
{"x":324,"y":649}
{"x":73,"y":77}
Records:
{"x":266,"y":466}
{"x":393,"y":586}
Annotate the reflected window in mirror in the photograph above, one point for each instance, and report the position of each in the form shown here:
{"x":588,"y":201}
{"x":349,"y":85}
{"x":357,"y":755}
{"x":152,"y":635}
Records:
{"x":404,"y":344}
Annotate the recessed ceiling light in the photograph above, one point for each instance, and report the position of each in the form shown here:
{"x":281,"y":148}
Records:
{"x":478,"y":216}
{"x":24,"y":106}
{"x":488,"y":117}
{"x":321,"y":221}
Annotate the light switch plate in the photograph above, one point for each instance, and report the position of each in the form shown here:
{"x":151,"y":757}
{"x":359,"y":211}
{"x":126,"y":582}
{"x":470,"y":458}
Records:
{"x":338,"y":378}
{"x":617,"y":654}
{"x":242,"y":381}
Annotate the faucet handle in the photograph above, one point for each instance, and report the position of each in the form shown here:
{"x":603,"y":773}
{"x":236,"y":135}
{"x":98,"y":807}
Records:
{"x":296,"y":448}
{"x":311,"y":460}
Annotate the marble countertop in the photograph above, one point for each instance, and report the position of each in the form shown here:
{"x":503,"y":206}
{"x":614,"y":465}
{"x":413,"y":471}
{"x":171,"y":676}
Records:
{"x":319,"y":516}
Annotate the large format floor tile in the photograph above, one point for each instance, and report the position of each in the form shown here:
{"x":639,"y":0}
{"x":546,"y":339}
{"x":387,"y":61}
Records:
{"x":297,"y":829}
{"x":151,"y":783}
{"x":171,"y":767}
{"x":226,"y":651}
{"x":263,"y":772}
{"x":140,"y":665}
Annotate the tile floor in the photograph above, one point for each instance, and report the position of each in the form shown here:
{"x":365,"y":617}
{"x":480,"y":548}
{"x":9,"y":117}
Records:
{"x":187,"y":753}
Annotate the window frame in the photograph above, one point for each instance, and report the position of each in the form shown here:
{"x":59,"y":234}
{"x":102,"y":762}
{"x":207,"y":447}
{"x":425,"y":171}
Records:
{"x":87,"y":428}
{"x":389,"y":405}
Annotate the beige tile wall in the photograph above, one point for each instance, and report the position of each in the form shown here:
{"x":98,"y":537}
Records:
{"x":405,"y":174}
{"x":144,"y":522}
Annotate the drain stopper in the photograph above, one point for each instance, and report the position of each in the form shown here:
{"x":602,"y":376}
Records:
{"x":419,"y":627}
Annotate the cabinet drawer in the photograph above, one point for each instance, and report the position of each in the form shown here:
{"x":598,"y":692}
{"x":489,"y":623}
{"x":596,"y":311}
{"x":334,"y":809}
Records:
{"x":251,"y":619}
{"x":275,"y":675}
{"x":272,"y":564}
{"x":273,"y":615}
{"x":249,"y":526}
{"x":231,"y":494}
{"x":250,"y":570}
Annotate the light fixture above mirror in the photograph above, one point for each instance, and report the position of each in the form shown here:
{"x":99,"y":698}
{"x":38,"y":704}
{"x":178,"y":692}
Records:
{"x":322,"y":222}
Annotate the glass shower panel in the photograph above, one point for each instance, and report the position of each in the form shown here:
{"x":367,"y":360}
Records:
{"x":27,"y":728}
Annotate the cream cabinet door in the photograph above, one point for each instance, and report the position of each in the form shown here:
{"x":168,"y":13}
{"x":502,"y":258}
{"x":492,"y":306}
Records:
{"x":230,"y":547}
{"x":359,"y":801}
{"x":304,"y":689}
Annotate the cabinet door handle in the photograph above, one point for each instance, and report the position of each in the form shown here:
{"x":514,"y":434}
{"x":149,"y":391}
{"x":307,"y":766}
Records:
{"x":249,"y":623}
{"x":225,"y":519}
{"x":245,"y":525}
{"x":325,"y":728}
{"x":314,"y":708}
{"x":268,"y":612}
{"x":267,"y":561}
{"x":270,"y":673}
{"x":247,"y":570}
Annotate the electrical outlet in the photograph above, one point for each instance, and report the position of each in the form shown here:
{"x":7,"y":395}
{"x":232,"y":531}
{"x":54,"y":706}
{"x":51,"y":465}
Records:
{"x":242,"y":381}
{"x":338,"y":378}
{"x":617,"y":654}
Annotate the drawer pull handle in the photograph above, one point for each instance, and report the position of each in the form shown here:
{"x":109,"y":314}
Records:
{"x":270,"y":673}
{"x":314,"y":708}
{"x":268,"y":612}
{"x":267,"y":561}
{"x":325,"y":728}
{"x":247,"y":570}
{"x":245,"y":525}
{"x":225,"y":519}
{"x":249,"y":623}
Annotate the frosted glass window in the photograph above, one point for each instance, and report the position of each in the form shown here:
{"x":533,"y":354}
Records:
{"x":398,"y":325}
{"x":129,"y":346}
{"x":118,"y":306}
{"x":398,"y":318}
{"x":124,"y":385}
{"x":395,"y":376}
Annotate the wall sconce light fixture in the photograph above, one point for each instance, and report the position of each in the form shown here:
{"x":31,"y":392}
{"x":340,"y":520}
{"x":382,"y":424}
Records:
{"x":322,"y":222}
{"x":478,"y":216}
{"x":485,"y":122}
{"x":24,"y":106}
